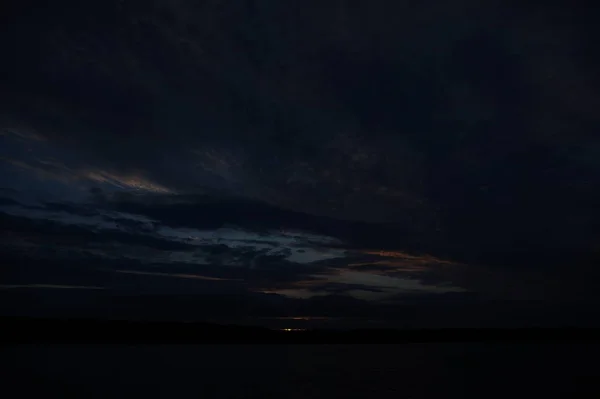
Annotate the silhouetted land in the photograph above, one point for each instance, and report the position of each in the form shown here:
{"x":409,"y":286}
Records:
{"x":32,"y":330}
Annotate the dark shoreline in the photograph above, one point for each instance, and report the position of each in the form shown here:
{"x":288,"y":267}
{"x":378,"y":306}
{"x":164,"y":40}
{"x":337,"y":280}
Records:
{"x":40,"y":330}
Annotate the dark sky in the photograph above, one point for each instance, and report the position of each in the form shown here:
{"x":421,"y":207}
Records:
{"x":340,"y":148}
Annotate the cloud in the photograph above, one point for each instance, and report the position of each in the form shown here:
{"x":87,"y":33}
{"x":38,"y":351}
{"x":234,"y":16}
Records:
{"x":175,"y":275}
{"x":70,"y":287}
{"x":367,"y":284}
{"x":56,"y":229}
{"x":131,"y":181}
{"x":286,"y":261}
{"x":48,"y":169}
{"x":288,"y":258}
{"x":430,"y":150}
{"x":22,"y":134}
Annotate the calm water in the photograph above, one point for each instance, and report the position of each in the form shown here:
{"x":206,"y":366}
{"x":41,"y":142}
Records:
{"x":301,"y":371}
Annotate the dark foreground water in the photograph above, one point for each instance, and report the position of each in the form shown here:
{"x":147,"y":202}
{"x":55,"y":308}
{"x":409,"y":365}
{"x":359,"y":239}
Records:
{"x":302,"y":371}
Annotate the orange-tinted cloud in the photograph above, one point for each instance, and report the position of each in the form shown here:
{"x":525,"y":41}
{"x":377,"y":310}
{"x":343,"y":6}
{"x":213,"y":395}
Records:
{"x":131,"y":181}
{"x":22,"y":134}
{"x":420,"y":259}
{"x":384,"y":265}
{"x":363,"y":285}
{"x":52,"y":169}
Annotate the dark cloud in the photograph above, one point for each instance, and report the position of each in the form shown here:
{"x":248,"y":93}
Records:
{"x":8,"y":201}
{"x":335,"y":83}
{"x":339,"y":288}
{"x":51,"y":233}
{"x":265,"y":260}
{"x":358,"y":149}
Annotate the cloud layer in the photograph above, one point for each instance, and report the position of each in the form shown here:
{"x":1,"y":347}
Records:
{"x":267,"y":148}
